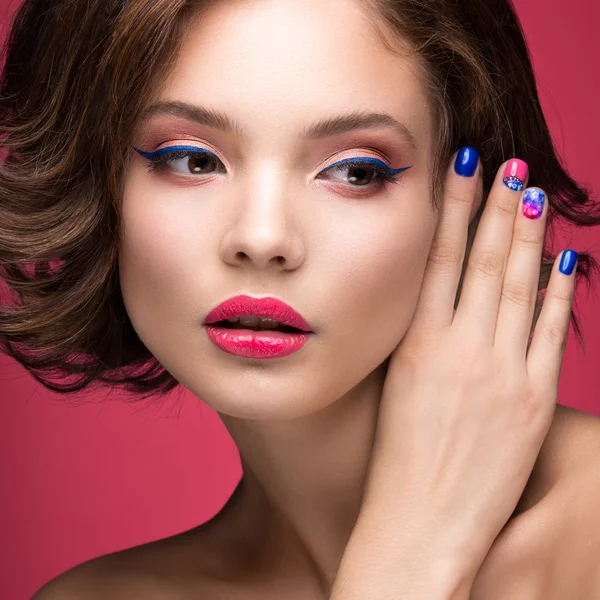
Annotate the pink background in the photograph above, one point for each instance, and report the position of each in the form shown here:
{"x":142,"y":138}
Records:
{"x":80,"y":479}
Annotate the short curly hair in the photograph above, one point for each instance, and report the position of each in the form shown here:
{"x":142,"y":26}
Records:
{"x":77,"y":77}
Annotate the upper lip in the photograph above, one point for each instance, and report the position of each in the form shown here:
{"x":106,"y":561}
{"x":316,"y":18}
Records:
{"x":268,"y":308}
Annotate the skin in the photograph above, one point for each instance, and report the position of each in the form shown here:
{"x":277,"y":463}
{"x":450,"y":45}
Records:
{"x":349,"y":259}
{"x":183,"y":235}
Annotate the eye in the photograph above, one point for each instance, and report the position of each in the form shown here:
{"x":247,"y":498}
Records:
{"x":198,"y":162}
{"x":365,"y":171}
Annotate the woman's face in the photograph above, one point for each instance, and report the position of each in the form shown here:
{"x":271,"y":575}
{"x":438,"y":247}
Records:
{"x":345,"y":249}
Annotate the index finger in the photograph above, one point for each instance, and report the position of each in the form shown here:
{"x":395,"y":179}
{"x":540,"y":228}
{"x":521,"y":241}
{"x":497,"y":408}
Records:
{"x":435,"y":307}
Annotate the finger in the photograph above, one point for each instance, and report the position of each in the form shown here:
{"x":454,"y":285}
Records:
{"x":544,"y":360}
{"x":520,"y":286}
{"x":435,"y":307}
{"x":480,"y":294}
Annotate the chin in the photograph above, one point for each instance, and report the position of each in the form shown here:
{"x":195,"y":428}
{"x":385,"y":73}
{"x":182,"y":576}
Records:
{"x":258,"y":396}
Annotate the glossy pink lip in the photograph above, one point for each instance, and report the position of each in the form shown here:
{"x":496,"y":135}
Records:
{"x":256,"y":344}
{"x":270,"y":308}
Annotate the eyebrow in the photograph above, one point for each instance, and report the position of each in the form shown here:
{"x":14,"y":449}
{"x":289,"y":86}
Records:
{"x":317,"y":130}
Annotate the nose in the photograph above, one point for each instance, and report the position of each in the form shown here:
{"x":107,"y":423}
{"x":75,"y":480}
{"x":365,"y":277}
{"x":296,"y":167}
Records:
{"x":263,"y":232}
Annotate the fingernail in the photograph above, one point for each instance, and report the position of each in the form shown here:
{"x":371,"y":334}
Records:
{"x":568,"y":262}
{"x":533,"y":202}
{"x":515,"y":174}
{"x":466,"y":161}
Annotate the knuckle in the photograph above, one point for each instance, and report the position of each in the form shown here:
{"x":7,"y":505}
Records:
{"x":488,"y":263}
{"x":503,"y":206}
{"x":533,"y":398}
{"x":563,"y":296}
{"x":534,"y":407}
{"x":540,"y":403}
{"x":518,"y":294}
{"x":555,"y":335}
{"x":445,"y":251}
{"x":456,"y":197}
{"x":529,"y":238}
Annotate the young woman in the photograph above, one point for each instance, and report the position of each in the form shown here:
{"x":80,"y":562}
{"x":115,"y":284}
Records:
{"x":326,"y":220}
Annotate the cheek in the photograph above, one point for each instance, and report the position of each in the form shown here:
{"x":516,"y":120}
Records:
{"x":155,"y":266}
{"x":381,"y":278}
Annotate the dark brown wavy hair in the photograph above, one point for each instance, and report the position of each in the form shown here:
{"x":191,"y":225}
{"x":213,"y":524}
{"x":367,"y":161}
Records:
{"x":78,"y":75}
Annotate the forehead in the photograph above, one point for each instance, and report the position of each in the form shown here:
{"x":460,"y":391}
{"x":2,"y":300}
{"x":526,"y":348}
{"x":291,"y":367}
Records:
{"x":286,"y":62}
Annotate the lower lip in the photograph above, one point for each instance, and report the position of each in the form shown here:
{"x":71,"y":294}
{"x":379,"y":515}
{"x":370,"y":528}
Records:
{"x":256,"y":344}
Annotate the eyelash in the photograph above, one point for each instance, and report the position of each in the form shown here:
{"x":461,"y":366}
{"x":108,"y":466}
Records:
{"x":385,"y":173}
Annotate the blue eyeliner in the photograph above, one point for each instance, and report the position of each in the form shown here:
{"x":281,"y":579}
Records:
{"x":170,"y":149}
{"x":370,"y":160}
{"x":385,"y":172}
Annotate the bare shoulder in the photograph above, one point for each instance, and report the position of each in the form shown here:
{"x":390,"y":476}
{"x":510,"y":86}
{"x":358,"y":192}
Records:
{"x":110,"y":576}
{"x":570,"y":451}
{"x":91,"y":580}
{"x":197,"y":563}
{"x":157,"y":570}
{"x":549,"y":549}
{"x":573,"y":437}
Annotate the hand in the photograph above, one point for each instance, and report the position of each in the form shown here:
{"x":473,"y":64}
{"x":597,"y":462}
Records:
{"x":467,"y":403}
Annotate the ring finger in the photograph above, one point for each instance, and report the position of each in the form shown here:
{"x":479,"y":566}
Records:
{"x":521,"y":279}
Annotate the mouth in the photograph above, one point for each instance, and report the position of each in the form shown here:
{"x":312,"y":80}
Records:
{"x":257,"y":328}
{"x":256,"y":341}
{"x":238,"y":326}
{"x":257,"y":314}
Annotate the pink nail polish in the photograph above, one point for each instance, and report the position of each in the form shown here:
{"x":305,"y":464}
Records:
{"x":515,"y":174}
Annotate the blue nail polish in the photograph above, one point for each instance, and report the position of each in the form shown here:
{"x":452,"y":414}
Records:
{"x":466,"y":161}
{"x":567,"y":262}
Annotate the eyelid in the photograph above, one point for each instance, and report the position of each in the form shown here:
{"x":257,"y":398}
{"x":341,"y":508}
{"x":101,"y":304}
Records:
{"x":368,"y":159}
{"x":365,"y":159}
{"x":169,"y":149}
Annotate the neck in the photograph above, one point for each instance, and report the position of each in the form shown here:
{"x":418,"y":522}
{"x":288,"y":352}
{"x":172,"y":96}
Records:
{"x":311,"y":471}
